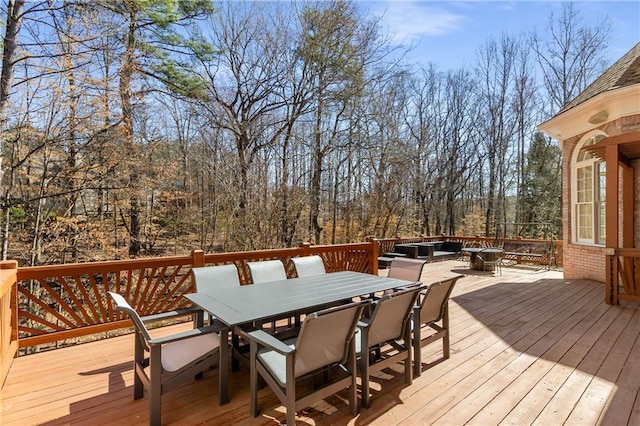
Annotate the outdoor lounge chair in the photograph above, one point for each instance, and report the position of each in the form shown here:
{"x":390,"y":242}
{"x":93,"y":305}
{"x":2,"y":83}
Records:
{"x":169,"y":360}
{"x":432,"y":308}
{"x":385,"y":338}
{"x":308,"y":266}
{"x":326,"y":339}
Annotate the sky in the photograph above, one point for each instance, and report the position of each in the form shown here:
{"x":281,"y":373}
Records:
{"x":449,"y":33}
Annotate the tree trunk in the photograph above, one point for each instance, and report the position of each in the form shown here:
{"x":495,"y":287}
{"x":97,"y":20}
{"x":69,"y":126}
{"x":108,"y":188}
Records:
{"x":126,"y":75}
{"x":10,"y":42}
{"x":316,"y":229}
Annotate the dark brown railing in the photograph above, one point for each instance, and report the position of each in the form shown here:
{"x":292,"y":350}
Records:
{"x":623,"y":275}
{"x":552,"y":257}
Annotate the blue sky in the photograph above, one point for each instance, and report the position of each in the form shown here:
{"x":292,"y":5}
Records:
{"x":448,"y":33}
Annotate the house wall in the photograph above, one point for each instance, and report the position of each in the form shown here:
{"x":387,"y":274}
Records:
{"x":585,"y":261}
{"x":636,"y":185}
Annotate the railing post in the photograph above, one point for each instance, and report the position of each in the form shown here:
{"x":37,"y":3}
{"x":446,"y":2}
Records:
{"x":197,"y":257}
{"x":611,"y":284}
{"x":374,"y":256}
{"x":615,"y":278}
{"x":9,"y":319}
{"x":306,"y":248}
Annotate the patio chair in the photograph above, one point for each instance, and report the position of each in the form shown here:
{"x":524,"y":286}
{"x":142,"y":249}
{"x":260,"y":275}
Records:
{"x":385,"y":338}
{"x":308,"y":266}
{"x":208,"y":279}
{"x":164,"y":362}
{"x":406,"y":269}
{"x":432,"y":308}
{"x":267,"y":270}
{"x":312,"y":266}
{"x":325,"y":340}
{"x":491,"y":257}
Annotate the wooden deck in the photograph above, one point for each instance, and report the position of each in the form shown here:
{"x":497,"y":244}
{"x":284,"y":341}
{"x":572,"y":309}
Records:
{"x":527,"y":348}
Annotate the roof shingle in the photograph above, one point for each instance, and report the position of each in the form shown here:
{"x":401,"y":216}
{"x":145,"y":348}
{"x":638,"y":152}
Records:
{"x":625,"y":72}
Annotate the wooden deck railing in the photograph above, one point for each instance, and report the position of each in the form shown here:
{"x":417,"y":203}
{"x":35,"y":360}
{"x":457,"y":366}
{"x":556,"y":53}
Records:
{"x":553,"y":257}
{"x":623,"y":275}
{"x":67,"y":302}
{"x":8,"y":316}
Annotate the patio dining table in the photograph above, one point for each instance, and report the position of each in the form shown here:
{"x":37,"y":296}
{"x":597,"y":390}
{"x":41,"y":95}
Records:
{"x":250,"y":304}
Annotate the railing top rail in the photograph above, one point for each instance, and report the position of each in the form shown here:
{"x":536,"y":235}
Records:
{"x":34,"y":272}
{"x":633,"y":252}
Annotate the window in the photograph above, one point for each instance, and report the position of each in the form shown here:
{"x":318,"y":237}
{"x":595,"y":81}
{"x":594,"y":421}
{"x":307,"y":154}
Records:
{"x":588,"y":197}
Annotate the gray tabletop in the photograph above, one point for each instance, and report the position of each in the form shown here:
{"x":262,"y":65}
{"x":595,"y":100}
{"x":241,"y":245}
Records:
{"x":480,"y":249}
{"x":248,"y":303}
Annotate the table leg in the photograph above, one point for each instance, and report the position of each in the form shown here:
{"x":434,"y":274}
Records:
{"x":235,"y":346}
{"x":223,"y":368}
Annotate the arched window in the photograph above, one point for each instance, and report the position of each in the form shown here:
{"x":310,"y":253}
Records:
{"x":588,"y":193}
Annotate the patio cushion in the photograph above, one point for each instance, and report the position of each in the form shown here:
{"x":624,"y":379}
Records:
{"x":276,"y":362}
{"x":176,"y":355}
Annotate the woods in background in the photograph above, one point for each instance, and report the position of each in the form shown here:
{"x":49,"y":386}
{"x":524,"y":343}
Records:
{"x":139,"y":128}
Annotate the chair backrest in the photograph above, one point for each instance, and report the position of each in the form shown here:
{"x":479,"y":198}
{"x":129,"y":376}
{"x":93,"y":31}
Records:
{"x":265,"y":271}
{"x":406,"y":269}
{"x":434,"y":303}
{"x":123,"y":306}
{"x":391,"y":314}
{"x":325,"y":336}
{"x":491,"y":254}
{"x":210,"y":278}
{"x":308,"y":266}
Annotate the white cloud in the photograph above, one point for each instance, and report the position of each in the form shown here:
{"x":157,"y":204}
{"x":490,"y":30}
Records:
{"x":409,"y":21}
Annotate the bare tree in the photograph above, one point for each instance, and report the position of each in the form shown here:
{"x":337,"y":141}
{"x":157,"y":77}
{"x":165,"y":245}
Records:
{"x":570,"y":54}
{"x":339,"y":46}
{"x":495,"y":89}
{"x":151,"y":43}
{"x":258,"y":89}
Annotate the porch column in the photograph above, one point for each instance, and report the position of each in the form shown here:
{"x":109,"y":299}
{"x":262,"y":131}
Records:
{"x":611,"y":211}
{"x":613,"y":183}
{"x":628,"y":206}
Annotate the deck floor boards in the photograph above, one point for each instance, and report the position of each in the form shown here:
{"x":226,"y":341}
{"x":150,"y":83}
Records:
{"x":527,"y":347}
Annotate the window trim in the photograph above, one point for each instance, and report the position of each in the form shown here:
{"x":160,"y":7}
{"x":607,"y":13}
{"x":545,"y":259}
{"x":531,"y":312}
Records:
{"x":596,"y":201}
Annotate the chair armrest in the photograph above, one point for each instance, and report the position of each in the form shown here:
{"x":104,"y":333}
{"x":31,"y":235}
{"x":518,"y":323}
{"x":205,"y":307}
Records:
{"x":364,"y":323}
{"x":187,"y":334}
{"x":170,"y":314}
{"x":268,"y":341}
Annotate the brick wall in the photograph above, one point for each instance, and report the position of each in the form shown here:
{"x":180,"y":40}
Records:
{"x":583,"y":261}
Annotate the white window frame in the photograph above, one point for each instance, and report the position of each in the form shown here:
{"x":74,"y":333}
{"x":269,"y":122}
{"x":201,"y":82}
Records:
{"x":591,"y":202}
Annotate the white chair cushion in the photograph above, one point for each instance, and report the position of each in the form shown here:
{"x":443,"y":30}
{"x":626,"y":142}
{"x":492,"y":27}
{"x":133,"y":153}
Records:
{"x":176,"y":355}
{"x":276,"y":363}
